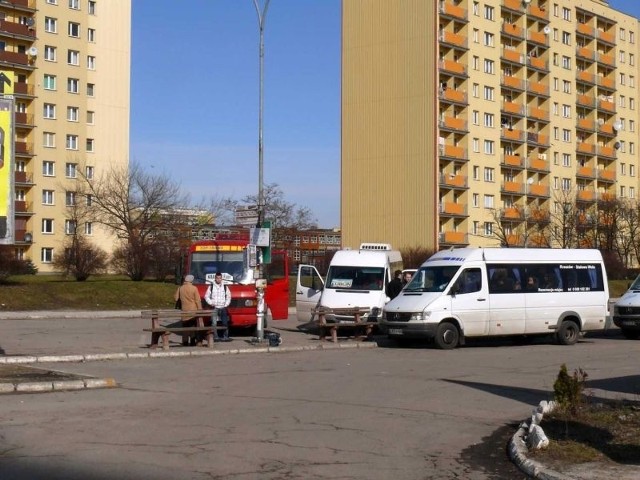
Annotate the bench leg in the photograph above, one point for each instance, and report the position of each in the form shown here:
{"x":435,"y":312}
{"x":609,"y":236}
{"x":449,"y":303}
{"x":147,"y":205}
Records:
{"x":210,"y":338}
{"x":165,"y":341}
{"x":334,"y":334}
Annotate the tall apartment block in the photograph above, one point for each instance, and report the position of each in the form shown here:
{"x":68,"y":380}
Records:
{"x":462,"y":117}
{"x":65,"y":70}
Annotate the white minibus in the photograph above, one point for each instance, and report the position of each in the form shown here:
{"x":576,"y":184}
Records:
{"x":355,"y":278}
{"x":475,"y":292}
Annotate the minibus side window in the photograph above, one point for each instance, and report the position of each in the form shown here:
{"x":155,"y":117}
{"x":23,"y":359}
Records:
{"x":469,"y":281}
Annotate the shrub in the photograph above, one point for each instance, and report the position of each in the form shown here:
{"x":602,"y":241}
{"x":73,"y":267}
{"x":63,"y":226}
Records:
{"x":413,"y":257}
{"x":568,"y":389}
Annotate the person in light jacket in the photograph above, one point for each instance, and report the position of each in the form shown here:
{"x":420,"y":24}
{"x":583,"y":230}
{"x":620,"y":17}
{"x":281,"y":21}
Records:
{"x":219,"y":297}
{"x":190,"y":301}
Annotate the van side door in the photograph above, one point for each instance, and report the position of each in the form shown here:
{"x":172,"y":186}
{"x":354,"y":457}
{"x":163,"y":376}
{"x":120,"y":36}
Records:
{"x":309,"y":286}
{"x":470,"y":301}
{"x":507,"y":312}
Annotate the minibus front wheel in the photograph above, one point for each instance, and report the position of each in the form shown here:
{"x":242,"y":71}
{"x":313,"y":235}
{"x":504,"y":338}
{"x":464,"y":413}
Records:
{"x":568,"y":333}
{"x":447,"y":336}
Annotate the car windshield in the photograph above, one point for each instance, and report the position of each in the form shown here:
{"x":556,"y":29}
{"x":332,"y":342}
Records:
{"x":355,"y":278}
{"x":431,"y":279}
{"x":636,"y":284}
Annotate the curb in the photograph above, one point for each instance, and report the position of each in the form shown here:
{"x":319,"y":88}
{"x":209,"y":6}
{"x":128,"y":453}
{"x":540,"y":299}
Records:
{"x":27,"y":359}
{"x":57,"y":386}
{"x":517,"y":450}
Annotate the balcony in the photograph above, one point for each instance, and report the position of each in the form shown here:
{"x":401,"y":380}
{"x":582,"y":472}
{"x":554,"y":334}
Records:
{"x":539,"y":38}
{"x":453,"y":123}
{"x":586,"y":101}
{"x":586,"y":148}
{"x":512,"y":161}
{"x":16,"y":30}
{"x":607,"y":105}
{"x":586,"y":53}
{"x":606,"y":82}
{"x":513,"y":5}
{"x":23,"y":148}
{"x":23,"y":178}
{"x":606,"y":37}
{"x":538,"y":138}
{"x":453,"y":39}
{"x":538,"y":88}
{"x":23,"y":4}
{"x":453,"y":209}
{"x":453,"y":238}
{"x":512,"y":187}
{"x":608,"y":152}
{"x":513,"y":108}
{"x":538,"y":64}
{"x":586,"y":196}
{"x":453,"y":68}
{"x":586,"y":77}
{"x":605,"y":129}
{"x":513,"y":83}
{"x":448,"y":9}
{"x":453,"y":96}
{"x":538,"y":12}
{"x":453,"y":152}
{"x":606,"y":59}
{"x":586,"y":172}
{"x":453,"y":181}
{"x":538,"y":113}
{"x":513,"y":56}
{"x":514,"y":240}
{"x":512,"y":134}
{"x":586,"y":30}
{"x":538,"y":216}
{"x":541,"y":191}
{"x":23,"y":208}
{"x":607,"y":176}
{"x":15,"y":58}
{"x":586,"y":124}
{"x":540,"y":164}
{"x":512,"y":30}
{"x":21,"y":88}
{"x":24,"y":119}
{"x":512,"y":213}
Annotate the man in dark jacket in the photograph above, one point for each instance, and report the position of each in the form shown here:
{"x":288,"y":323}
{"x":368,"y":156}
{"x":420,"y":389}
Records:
{"x":395,"y":285}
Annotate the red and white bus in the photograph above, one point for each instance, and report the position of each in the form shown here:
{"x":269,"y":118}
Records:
{"x":227,"y":254}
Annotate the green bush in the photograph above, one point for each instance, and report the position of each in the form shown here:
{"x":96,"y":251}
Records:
{"x":568,"y":389}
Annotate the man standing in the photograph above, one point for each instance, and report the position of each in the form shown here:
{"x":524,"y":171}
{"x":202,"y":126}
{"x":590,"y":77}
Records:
{"x":395,"y":285}
{"x":189,"y":298}
{"x":219,"y":297}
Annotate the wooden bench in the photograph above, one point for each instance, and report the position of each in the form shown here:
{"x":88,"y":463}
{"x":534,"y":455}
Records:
{"x":357,"y":325}
{"x":163,"y":331}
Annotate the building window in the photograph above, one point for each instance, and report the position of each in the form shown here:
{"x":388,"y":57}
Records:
{"x":632,"y":192}
{"x":50,"y":25}
{"x":566,"y":14}
{"x":488,"y":66}
{"x":632,"y":103}
{"x":489,"y":174}
{"x":622,"y":190}
{"x":71,"y":170}
{"x":91,"y":35}
{"x":90,"y":89}
{"x":476,"y":200}
{"x":49,"y":110}
{"x":488,"y":39}
{"x":488,"y":120}
{"x":47,"y":225}
{"x":46,"y":255}
{"x":566,"y":111}
{"x":489,"y":147}
{"x":69,"y":227}
{"x":72,"y":142}
{"x":566,"y":135}
{"x":632,"y":170}
{"x":488,"y":201}
{"x":475,"y":63}
{"x":48,"y":168}
{"x":88,"y":172}
{"x":566,"y":62}
{"x":475,"y":90}
{"x":488,"y":93}
{"x":73,"y":114}
{"x":48,"y":139}
{"x":488,"y":228}
{"x":475,"y":117}
{"x":48,"y":197}
{"x":623,"y":169}
{"x":91,"y":62}
{"x":70,"y":199}
{"x":74,"y":29}
{"x":475,"y":144}
{"x":52,"y":2}
{"x":88,"y":228}
{"x":73,"y":85}
{"x":632,"y":150}
{"x":73,"y":57}
{"x":566,"y":86}
{"x":476,"y":8}
{"x":566,"y":38}
{"x":90,"y":145}
{"x":92,"y":7}
{"x":88,"y":199}
{"x":91,"y":117}
{"x":49,"y":82}
{"x":489,"y":12}
{"x":566,"y":184}
{"x":74,"y":4}
{"x":50,"y":53}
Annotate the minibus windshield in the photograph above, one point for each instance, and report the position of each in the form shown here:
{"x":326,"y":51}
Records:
{"x":355,"y":278}
{"x":432,"y":279}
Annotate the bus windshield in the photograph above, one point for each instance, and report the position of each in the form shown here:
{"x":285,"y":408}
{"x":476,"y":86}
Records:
{"x":355,"y":278}
{"x":431,"y":279}
{"x":204,"y":266}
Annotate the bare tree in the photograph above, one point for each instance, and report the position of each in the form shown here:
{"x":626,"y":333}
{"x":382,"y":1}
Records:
{"x":137,"y":207}
{"x":283,"y":213}
{"x":510,"y":228}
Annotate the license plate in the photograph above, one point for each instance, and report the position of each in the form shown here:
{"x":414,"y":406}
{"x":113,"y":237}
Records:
{"x":629,"y":323}
{"x":395,"y":331}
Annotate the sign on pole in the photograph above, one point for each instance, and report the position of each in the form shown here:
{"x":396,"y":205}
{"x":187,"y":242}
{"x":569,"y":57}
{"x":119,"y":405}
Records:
{"x":247,"y":216}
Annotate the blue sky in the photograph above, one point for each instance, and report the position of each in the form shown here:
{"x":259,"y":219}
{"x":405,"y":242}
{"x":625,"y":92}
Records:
{"x":194,"y":97}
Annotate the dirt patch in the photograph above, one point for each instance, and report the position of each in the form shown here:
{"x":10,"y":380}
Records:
{"x":23,"y":374}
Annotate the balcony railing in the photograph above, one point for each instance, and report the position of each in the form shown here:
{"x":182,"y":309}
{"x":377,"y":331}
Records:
{"x":586,"y":195}
{"x":515,"y":161}
{"x":452,"y":95}
{"x":538,"y":88}
{"x":538,"y":164}
{"x":538,"y":190}
{"x":21,"y":88}
{"x":604,"y":151}
{"x":586,"y":30}
{"x":452,"y":180}
{"x":452,"y":151}
{"x":23,"y":148}
{"x":513,"y":108}
{"x":23,"y":177}
{"x":453,"y":39}
{"x":452,"y":208}
{"x":586,"y":172}
{"x":586,"y":148}
{"x":448,"y":9}
{"x":513,"y":30}
{"x":540,"y":38}
{"x":512,"y":187}
{"x":586,"y":77}
{"x":453,"y":238}
{"x":16,"y":29}
{"x":606,"y":59}
{"x":15,"y":58}
{"x":607,"y":37}
{"x":607,"y":175}
{"x":586,"y":124}
{"x":512,"y":134}
{"x":513,"y":82}
{"x":539,"y":12}
{"x":455,"y":68}
{"x":21,"y":206}
{"x":453,"y":123}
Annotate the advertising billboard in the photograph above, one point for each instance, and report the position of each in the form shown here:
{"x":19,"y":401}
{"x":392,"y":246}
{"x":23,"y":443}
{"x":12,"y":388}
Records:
{"x":7,"y":224}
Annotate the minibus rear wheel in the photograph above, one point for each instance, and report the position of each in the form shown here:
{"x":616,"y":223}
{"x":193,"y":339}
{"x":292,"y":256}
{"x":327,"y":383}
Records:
{"x":568,"y":333}
{"x":447,"y":336}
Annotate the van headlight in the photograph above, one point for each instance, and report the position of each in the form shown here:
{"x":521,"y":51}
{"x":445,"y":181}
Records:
{"x":420,"y":316}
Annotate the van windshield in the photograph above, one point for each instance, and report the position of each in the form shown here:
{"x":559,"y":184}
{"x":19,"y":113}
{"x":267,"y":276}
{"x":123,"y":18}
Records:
{"x":636,"y":284}
{"x":355,"y":278}
{"x":431,"y":279}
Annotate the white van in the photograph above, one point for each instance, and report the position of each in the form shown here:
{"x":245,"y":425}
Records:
{"x":626,"y":311}
{"x":474,"y":292}
{"x":356,"y":278}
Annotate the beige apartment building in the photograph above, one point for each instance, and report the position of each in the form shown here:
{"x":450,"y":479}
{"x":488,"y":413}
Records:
{"x":69,"y":62}
{"x":462,"y":118}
